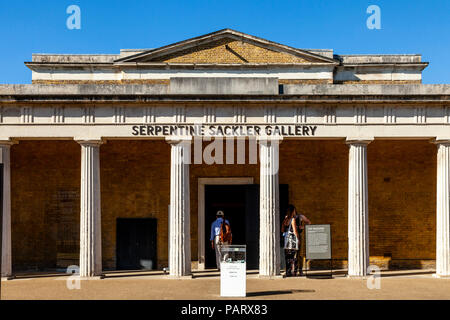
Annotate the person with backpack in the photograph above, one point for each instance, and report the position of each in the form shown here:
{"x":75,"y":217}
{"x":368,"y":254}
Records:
{"x":300,"y":220}
{"x":291,"y":229}
{"x":220,"y":234}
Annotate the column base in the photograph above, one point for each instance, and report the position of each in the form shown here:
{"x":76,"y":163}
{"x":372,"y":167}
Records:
{"x":100,"y":277}
{"x":188,"y":277}
{"x":357,"y":277}
{"x":438,"y":276}
{"x":7,"y":278}
{"x":270,"y":277}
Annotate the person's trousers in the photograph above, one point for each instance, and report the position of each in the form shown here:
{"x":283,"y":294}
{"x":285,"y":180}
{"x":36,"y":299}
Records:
{"x":217,"y":246}
{"x":299,"y":264}
{"x":291,"y":261}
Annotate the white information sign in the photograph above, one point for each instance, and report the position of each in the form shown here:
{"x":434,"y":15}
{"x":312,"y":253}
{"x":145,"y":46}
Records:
{"x":233,"y":276}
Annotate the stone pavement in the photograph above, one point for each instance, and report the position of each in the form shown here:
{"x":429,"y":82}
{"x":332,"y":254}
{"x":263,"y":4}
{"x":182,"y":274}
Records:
{"x":413,"y":284}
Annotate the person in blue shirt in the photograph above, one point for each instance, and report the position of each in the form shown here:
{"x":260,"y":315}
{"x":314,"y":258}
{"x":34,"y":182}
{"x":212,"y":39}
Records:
{"x":216,"y":241}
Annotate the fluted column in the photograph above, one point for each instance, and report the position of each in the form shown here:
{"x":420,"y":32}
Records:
{"x":443,"y":210}
{"x":5,"y":149}
{"x":179,"y":228}
{"x":90,"y":220}
{"x":358,"y":210}
{"x":269,"y":208}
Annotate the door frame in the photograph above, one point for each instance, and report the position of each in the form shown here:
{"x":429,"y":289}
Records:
{"x":202,"y":182}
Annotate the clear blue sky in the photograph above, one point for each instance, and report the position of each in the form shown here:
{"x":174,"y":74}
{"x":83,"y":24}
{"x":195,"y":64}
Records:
{"x":408,"y":26}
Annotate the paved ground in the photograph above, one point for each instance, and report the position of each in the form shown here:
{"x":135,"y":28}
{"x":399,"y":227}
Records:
{"x":419,"y":284}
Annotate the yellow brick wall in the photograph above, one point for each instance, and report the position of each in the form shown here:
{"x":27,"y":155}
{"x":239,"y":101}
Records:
{"x":402,"y":201}
{"x":227,"y":51}
{"x":135,"y":177}
{"x":135,"y":182}
{"x":45,"y":203}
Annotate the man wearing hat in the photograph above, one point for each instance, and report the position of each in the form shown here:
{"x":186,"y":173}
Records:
{"x":216,"y":241}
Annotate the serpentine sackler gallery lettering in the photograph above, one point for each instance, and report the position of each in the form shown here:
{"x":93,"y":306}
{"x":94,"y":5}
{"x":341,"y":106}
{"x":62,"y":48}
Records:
{"x":224,"y":130}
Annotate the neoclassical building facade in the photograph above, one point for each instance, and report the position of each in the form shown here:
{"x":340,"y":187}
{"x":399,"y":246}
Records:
{"x":119,"y":162}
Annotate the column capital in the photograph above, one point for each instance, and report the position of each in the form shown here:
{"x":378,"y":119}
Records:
{"x":440,"y":141}
{"x":8,"y":142}
{"x":179,"y":139}
{"x":266,"y":139}
{"x":358,"y":140}
{"x":93,"y":142}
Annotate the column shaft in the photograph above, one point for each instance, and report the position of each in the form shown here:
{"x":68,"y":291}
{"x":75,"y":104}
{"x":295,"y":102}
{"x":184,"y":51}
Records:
{"x":6,"y":223}
{"x":90,"y":221}
{"x":269,"y":234}
{"x":443,"y":211}
{"x":358,"y":211}
{"x":179,"y":229}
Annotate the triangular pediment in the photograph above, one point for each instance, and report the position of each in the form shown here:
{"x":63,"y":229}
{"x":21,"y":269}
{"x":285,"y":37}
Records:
{"x":226,"y":47}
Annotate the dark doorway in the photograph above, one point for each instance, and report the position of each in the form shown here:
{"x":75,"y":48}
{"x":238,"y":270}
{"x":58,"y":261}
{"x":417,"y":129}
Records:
{"x":240,"y":203}
{"x":136,"y":244}
{"x":231,"y":200}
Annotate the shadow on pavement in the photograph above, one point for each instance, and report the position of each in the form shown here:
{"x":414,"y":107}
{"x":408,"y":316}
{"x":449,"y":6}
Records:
{"x":399,"y":274}
{"x":37,"y":276}
{"x":216,"y":273}
{"x":134,"y":274}
{"x":319,"y":276}
{"x":276,"y":292}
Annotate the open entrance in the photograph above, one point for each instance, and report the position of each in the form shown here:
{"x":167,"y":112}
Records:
{"x":240,"y":203}
{"x":136,"y":244}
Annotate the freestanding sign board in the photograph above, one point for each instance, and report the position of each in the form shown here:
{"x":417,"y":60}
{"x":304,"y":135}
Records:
{"x":318,"y":243}
{"x":233,"y":267}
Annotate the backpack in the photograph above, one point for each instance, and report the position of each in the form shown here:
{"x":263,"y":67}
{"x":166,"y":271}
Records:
{"x":291,"y":242}
{"x":225,"y":232}
{"x":298,"y":221}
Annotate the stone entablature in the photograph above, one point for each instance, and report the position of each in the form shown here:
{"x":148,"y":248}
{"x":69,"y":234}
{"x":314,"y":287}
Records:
{"x":225,"y":113}
{"x":111,"y":111}
{"x":322,"y":121}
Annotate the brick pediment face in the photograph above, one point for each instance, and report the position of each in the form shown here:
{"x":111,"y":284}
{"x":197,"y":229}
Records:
{"x":229,"y":51}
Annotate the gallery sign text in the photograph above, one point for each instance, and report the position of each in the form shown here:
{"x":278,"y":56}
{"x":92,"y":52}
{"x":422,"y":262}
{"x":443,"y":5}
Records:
{"x":224,"y":130}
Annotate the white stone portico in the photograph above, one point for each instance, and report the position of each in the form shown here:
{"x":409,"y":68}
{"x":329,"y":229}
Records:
{"x":239,"y":101}
{"x":354,"y":124}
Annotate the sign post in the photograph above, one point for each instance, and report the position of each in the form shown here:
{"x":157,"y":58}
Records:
{"x":233,"y":275}
{"x":318,"y":243}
